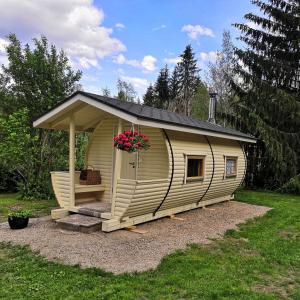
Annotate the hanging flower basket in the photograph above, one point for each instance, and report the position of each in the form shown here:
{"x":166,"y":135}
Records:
{"x":131,"y":141}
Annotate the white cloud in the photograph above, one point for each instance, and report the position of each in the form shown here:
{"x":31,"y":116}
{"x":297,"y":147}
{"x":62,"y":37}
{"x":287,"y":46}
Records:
{"x":140,"y":84}
{"x":120,"y":26}
{"x":208,"y":56}
{"x":163,"y":26}
{"x":172,"y":60}
{"x":75,"y":25}
{"x":194,"y":31}
{"x":147,"y":64}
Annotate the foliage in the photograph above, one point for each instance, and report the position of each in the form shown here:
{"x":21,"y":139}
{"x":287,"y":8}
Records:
{"x":183,"y":91}
{"x":189,"y":80}
{"x":292,"y":186}
{"x":149,"y":97}
{"x":34,"y":81}
{"x":106,"y":92}
{"x":126,"y":91}
{"x":20,"y":213}
{"x":258,"y":261}
{"x":220,"y":74}
{"x":201,"y":103}
{"x":161,"y":89}
{"x":266,"y":89}
{"x":131,"y":141}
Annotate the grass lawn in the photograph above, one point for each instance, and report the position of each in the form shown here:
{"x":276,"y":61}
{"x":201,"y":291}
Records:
{"x":260,"y":261}
{"x":12,"y":201}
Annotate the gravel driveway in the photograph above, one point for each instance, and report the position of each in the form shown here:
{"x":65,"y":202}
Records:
{"x":123,"y":251}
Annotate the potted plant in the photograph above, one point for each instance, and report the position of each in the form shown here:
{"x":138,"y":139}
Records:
{"x":131,"y":141}
{"x":18,"y":219}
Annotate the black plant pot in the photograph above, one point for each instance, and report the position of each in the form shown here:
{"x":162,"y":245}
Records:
{"x":17,"y":222}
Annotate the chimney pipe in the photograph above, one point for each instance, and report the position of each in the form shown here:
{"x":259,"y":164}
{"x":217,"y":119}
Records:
{"x":212,"y":107}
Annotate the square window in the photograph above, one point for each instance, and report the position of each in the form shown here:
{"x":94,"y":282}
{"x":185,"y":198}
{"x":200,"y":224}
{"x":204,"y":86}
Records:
{"x":231,"y":166}
{"x":194,"y":168}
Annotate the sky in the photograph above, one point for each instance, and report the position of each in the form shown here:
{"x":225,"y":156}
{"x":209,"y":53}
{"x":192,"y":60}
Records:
{"x":127,"y":39}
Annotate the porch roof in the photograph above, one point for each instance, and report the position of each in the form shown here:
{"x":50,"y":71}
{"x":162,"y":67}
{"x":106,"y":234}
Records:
{"x":134,"y":113}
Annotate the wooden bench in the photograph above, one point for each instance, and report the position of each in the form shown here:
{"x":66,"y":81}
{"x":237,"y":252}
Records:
{"x":82,"y":188}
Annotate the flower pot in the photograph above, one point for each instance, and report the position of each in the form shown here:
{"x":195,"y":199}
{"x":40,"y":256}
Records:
{"x":18,"y":222}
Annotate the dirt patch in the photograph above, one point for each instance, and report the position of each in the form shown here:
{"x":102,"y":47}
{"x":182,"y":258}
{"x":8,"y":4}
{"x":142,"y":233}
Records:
{"x":124,"y":251}
{"x":282,"y":286}
{"x":3,"y":254}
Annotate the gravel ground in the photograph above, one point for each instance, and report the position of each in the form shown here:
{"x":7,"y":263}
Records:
{"x":123,"y":251}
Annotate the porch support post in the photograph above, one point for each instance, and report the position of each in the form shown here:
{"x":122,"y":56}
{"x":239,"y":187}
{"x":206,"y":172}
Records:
{"x":117,"y":171}
{"x":72,"y":160}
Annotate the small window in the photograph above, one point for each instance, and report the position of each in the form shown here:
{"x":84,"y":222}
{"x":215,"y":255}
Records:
{"x":230,"y":166}
{"x":194,"y":168}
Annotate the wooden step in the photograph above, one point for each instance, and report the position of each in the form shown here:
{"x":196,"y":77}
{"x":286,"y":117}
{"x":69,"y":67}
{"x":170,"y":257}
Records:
{"x":81,"y":223}
{"x":94,"y":209}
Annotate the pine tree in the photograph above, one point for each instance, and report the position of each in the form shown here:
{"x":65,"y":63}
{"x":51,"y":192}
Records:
{"x":268,"y":88}
{"x":201,"y":103}
{"x":149,"y":97}
{"x":174,"y":87}
{"x":189,"y":79}
{"x":162,"y":89}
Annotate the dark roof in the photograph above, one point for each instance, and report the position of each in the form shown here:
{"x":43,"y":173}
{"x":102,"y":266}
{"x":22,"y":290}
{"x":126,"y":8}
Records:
{"x":164,"y":116}
{"x":161,"y":115}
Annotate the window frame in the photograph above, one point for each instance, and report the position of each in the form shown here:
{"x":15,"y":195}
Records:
{"x":193,"y":178}
{"x":230,"y":157}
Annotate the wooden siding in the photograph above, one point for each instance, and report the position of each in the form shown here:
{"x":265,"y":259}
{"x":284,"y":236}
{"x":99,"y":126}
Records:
{"x":144,"y":195}
{"x":222,"y":186}
{"x":153,"y":163}
{"x":61,"y":187}
{"x":191,"y":192}
{"x":100,"y":154}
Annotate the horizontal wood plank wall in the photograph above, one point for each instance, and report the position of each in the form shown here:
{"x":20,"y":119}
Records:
{"x":153,"y":163}
{"x":222,"y":186}
{"x":125,"y":191}
{"x":61,"y":188}
{"x":183,"y":194}
{"x":142,"y":196}
{"x":100,"y":154}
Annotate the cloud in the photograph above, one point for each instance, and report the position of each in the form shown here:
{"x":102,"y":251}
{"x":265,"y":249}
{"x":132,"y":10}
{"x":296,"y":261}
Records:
{"x":207,"y":57}
{"x":147,"y":64}
{"x":194,"y":31}
{"x":120,"y":26}
{"x":163,"y":26}
{"x":74,"y":25}
{"x":140,"y":84}
{"x":172,"y":60}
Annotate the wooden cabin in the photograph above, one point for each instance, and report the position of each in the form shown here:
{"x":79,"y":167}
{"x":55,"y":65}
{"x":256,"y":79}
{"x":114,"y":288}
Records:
{"x":190,"y":163}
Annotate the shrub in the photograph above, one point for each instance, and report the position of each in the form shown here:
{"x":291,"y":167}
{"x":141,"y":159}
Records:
{"x":292,"y":186}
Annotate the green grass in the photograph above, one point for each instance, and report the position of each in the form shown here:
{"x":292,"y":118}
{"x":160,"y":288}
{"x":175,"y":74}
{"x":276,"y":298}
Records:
{"x":13,"y":201}
{"x":260,"y":261}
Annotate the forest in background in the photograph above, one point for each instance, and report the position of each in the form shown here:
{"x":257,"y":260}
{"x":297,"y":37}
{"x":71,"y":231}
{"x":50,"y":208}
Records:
{"x":257,"y":86}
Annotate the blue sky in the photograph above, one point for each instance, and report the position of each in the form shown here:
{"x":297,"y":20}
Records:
{"x":128,"y":39}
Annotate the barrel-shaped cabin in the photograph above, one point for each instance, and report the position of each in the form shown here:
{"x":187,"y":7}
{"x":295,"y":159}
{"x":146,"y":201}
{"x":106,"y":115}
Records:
{"x":189,"y":164}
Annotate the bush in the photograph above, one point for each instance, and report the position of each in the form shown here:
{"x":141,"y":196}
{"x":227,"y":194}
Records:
{"x":292,"y":186}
